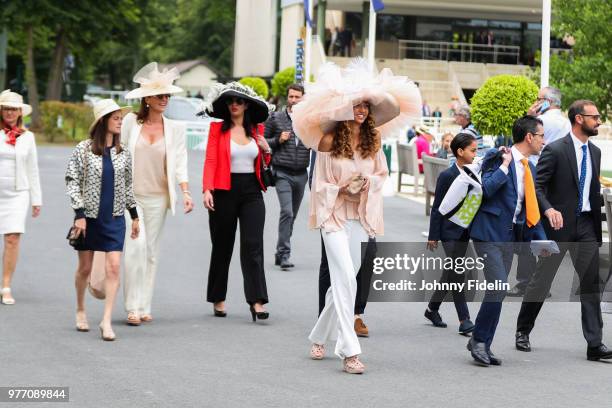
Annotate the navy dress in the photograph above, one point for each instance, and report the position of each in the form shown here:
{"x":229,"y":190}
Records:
{"x":107,"y":232}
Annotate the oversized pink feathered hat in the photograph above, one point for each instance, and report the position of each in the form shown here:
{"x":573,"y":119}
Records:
{"x":395,"y":101}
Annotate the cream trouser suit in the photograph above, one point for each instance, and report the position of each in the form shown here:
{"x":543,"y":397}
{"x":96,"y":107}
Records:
{"x":141,"y":253}
{"x":336,"y":321}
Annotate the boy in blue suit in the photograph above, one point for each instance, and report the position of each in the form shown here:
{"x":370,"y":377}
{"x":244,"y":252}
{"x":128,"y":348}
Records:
{"x":508,"y":213}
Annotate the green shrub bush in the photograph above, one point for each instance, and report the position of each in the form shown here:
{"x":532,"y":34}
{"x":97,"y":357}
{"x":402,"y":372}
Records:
{"x":259,"y":86}
{"x":500,"y":101}
{"x":281,"y":81}
{"x":76,"y":118}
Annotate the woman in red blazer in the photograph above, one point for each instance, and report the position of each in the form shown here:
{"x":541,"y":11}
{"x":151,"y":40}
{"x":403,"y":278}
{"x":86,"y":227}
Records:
{"x":232,"y":193}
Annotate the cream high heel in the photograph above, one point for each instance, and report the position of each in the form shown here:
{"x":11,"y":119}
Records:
{"x":107,"y":336}
{"x":4,"y":293}
{"x":81,"y":322}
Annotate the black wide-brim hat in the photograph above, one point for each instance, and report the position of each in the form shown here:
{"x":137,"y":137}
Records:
{"x":216,"y":103}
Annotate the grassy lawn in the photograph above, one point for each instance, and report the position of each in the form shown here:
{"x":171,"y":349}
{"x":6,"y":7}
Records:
{"x":606,"y":173}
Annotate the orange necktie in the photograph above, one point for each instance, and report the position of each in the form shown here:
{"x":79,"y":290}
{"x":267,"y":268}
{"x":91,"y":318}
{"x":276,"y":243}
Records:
{"x":531,"y":203}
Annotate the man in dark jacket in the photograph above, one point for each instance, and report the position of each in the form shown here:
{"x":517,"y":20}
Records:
{"x":290,"y":159}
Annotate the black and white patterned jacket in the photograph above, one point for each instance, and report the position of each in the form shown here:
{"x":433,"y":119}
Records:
{"x":87,"y":202}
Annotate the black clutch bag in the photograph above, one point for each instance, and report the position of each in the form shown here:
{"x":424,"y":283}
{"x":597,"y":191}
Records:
{"x":267,"y":177}
{"x":73,"y":239}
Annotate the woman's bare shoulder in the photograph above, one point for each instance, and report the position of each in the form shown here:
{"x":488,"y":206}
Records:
{"x":326,"y":143}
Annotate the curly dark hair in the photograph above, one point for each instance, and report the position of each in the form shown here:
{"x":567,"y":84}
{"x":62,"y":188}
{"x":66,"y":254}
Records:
{"x":369,"y":142}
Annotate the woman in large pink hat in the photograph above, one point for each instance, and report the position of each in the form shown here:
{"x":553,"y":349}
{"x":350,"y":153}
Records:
{"x":344,"y":116}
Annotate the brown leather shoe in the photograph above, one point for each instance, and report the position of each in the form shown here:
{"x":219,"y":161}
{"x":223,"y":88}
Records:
{"x":360,"y":328}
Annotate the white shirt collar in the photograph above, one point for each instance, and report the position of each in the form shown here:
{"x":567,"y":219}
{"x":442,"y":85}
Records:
{"x":517,"y":156}
{"x":577,"y":143}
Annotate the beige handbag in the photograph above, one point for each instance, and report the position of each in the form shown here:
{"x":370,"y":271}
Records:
{"x":98,"y":276}
{"x":356,"y":184}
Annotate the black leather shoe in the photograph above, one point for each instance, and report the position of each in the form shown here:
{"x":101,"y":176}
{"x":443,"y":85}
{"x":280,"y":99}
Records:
{"x":493,"y":359}
{"x":435,"y":318}
{"x":466,"y":327}
{"x":516,"y":292}
{"x":479,"y":352}
{"x":522,"y":341}
{"x":277,"y":260}
{"x":599,"y":353}
{"x":285,"y":264}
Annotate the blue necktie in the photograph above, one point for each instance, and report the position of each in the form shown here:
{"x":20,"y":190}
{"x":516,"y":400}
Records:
{"x":583,"y":170}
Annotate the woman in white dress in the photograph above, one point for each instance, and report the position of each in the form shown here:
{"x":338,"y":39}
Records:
{"x":19,"y":182}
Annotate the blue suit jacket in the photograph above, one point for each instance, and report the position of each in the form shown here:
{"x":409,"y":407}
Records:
{"x":493,"y":222}
{"x":440,"y":228}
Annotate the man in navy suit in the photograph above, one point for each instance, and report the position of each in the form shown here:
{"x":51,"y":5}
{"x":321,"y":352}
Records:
{"x":508,"y":213}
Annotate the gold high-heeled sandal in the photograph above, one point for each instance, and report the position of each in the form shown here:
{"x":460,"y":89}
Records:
{"x":81,"y":322}
{"x":108,"y":337}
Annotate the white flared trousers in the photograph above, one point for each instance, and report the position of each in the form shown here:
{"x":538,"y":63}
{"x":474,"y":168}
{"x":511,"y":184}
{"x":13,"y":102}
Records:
{"x":337,"y":321}
{"x":141,"y":253}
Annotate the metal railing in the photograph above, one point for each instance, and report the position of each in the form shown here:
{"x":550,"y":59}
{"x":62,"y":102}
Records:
{"x":458,"y":51}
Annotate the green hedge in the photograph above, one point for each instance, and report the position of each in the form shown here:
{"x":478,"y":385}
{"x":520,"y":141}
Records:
{"x":259,"y":86}
{"x":281,"y":81}
{"x":76,"y":118}
{"x":500,"y":101}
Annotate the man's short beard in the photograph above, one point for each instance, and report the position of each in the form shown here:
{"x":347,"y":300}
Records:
{"x":589,"y":131}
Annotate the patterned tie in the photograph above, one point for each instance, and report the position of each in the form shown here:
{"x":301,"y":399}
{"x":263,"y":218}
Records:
{"x":531,"y":203}
{"x":583,"y":170}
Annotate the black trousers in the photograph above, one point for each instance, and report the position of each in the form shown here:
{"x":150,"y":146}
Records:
{"x":453,"y":249}
{"x":244,"y":203}
{"x":364,"y":277}
{"x":525,"y":269}
{"x":584,"y":252}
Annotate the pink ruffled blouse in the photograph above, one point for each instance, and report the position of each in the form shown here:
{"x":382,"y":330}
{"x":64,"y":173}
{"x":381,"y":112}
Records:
{"x":330,"y":210}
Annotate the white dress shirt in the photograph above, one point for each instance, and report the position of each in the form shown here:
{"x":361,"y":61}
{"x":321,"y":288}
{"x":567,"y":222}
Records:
{"x":586,"y":204}
{"x":556,"y":125}
{"x":520,"y":180}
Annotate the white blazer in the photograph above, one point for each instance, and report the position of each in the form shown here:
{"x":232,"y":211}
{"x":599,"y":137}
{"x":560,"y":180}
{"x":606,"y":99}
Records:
{"x":26,"y":166}
{"x":176,"y":151}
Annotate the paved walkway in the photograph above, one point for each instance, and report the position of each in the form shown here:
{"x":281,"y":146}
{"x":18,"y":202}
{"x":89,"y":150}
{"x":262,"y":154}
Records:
{"x":188,"y":358}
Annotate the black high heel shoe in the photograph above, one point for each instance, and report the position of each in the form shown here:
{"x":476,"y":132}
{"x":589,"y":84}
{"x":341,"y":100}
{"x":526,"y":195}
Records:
{"x":258,"y":315}
{"x":219,"y":313}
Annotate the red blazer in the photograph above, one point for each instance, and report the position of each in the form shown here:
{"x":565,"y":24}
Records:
{"x":218,"y":161}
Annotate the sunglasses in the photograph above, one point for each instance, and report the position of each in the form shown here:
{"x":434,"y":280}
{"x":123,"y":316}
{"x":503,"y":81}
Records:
{"x":163,"y":96}
{"x":596,"y":117}
{"x":9,"y":109}
{"x":237,"y":101}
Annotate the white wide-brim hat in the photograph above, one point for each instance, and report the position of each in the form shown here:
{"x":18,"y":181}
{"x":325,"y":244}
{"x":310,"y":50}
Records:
{"x":153,"y":82}
{"x":14,"y":100}
{"x":216,"y":102}
{"x":105,"y":106}
{"x":395,"y":101}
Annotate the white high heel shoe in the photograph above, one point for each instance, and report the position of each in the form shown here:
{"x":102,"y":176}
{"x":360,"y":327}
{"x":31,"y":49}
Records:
{"x":3,"y":293}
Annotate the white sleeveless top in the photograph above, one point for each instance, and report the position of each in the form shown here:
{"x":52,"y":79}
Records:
{"x":243,"y":157}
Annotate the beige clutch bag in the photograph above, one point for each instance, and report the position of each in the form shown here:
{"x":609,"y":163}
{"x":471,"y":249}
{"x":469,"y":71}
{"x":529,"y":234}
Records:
{"x":356,"y":184}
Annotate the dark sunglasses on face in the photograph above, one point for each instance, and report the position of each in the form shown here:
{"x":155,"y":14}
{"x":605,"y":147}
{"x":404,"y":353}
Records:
{"x":9,"y":109}
{"x":163,"y":96}
{"x":237,"y":101}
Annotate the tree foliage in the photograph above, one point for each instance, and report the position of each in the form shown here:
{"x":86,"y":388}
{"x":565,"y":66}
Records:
{"x":584,"y":73}
{"x":500,"y":101}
